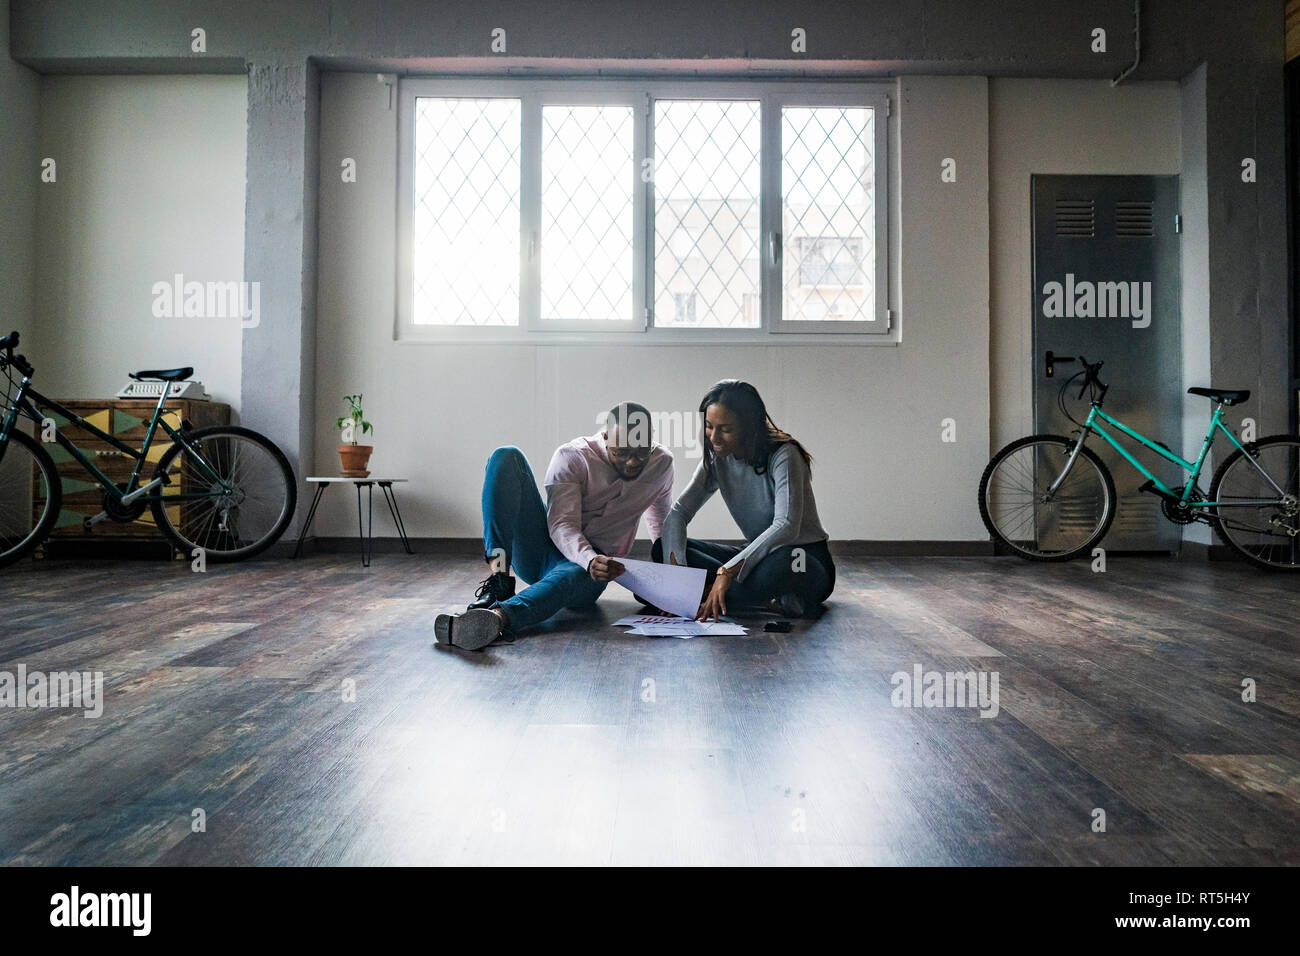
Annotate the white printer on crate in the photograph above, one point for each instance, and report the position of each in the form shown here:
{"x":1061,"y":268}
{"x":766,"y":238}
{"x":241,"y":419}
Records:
{"x":191,"y":390}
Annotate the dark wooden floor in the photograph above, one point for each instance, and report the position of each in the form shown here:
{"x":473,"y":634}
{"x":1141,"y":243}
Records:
{"x":1119,"y":691}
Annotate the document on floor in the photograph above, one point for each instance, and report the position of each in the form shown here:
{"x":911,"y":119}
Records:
{"x":649,"y":625}
{"x":674,"y":589}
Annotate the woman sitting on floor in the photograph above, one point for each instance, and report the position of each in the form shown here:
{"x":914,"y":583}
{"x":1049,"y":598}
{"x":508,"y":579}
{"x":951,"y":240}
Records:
{"x":766,"y":482}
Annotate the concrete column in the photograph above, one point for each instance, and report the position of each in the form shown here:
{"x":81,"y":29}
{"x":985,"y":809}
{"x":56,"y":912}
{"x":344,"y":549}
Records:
{"x":1247,"y":238}
{"x":279,"y":354}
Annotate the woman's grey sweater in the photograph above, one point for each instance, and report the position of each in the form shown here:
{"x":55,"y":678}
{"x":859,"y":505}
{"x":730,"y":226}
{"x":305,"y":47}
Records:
{"x":773,"y":509}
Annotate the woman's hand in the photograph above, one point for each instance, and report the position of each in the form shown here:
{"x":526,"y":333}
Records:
{"x":715,"y":604}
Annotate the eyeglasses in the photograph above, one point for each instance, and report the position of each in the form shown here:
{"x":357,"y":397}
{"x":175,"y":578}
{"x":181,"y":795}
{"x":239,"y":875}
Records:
{"x":623,"y":454}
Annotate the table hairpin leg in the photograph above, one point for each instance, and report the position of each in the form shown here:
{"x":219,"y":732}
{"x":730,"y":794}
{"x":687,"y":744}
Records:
{"x":306,"y":525}
{"x":365,"y":521}
{"x":387,"y":488}
{"x":367,"y":545}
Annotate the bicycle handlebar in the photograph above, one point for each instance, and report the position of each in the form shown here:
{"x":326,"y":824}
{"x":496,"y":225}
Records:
{"x":17,"y":361}
{"x":1089,"y":373}
{"x":1091,"y":369}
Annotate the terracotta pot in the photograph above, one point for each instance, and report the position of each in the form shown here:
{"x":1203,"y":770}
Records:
{"x":355,"y":458}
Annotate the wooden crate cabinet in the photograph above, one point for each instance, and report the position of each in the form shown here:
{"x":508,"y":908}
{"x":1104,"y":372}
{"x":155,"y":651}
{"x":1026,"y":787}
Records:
{"x":126,"y":420}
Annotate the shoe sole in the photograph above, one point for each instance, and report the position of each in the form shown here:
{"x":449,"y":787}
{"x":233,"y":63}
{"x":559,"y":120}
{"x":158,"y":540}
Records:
{"x":788,"y":606}
{"x":471,"y":631}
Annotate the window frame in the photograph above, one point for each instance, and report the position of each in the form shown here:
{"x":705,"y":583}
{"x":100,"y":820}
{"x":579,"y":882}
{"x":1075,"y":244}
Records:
{"x":533,"y":93}
{"x":773,"y":194}
{"x":531,"y":209}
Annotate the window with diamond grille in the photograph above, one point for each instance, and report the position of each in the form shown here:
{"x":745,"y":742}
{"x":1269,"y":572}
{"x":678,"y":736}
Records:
{"x":707,"y":189}
{"x":587,"y":201}
{"x":653,"y":210}
{"x":827,"y":214}
{"x":465,"y":224}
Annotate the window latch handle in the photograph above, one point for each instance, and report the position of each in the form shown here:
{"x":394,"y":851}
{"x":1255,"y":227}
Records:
{"x":774,"y":248}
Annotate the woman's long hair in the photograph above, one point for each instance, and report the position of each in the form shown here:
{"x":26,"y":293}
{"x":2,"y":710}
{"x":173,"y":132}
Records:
{"x":759,"y":436}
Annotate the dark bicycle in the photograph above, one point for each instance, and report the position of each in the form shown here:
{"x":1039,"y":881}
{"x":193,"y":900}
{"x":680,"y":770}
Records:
{"x":225,"y":490}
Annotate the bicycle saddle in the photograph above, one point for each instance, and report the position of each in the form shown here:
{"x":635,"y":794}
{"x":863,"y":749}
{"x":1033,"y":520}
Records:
{"x":1226,"y":395}
{"x":164,"y":375}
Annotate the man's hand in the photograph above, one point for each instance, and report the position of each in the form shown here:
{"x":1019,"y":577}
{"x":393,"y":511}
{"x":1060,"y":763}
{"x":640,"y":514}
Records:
{"x":604,"y":568}
{"x":715,"y":604}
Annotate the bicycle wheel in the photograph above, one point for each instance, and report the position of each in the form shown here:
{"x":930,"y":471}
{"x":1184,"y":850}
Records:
{"x":1018,"y":513}
{"x":1266,"y":534}
{"x":245,"y":492}
{"x":31,"y":495}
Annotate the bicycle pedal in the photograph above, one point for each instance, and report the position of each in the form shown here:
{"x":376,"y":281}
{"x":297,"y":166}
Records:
{"x":1148,"y":485}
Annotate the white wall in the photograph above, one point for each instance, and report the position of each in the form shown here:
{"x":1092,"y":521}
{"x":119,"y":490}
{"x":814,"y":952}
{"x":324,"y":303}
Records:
{"x":150,"y":183}
{"x":151,"y":177}
{"x":20,"y":94}
{"x":1073,"y":127}
{"x":871,"y":416}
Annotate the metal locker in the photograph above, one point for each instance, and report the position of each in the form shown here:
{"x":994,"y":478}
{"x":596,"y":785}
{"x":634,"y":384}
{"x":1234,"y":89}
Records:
{"x":1106,"y":285}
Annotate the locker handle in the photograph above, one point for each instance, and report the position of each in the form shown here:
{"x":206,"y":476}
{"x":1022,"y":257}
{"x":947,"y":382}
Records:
{"x":1052,"y":360}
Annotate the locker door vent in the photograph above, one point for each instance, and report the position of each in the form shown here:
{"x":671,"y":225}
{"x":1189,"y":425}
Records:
{"x":1075,"y":217}
{"x":1138,"y":515}
{"x":1134,"y":218}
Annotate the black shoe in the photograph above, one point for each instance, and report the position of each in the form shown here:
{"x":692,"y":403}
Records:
{"x":497,"y":586}
{"x":787,"y":605}
{"x":473,"y":630}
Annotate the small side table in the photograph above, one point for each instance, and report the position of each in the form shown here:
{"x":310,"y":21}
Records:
{"x":365,"y":536}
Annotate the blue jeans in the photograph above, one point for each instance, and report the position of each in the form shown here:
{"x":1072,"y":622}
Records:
{"x":514,"y":524}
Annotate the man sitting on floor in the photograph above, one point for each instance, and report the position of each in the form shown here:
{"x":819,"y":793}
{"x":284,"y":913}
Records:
{"x":597,"y":488}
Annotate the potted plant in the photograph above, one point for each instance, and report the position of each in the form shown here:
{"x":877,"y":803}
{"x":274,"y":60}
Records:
{"x":354,"y":457}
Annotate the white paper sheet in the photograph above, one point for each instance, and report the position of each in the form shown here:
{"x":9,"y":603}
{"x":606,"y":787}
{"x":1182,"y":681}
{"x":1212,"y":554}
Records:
{"x":635,"y":620}
{"x":640,"y":632}
{"x":687,"y":629}
{"x":674,"y":589}
{"x":649,"y":625}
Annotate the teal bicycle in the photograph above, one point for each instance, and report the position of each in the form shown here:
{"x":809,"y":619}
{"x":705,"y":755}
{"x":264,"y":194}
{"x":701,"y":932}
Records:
{"x":224,"y":490}
{"x":1050,"y":498}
